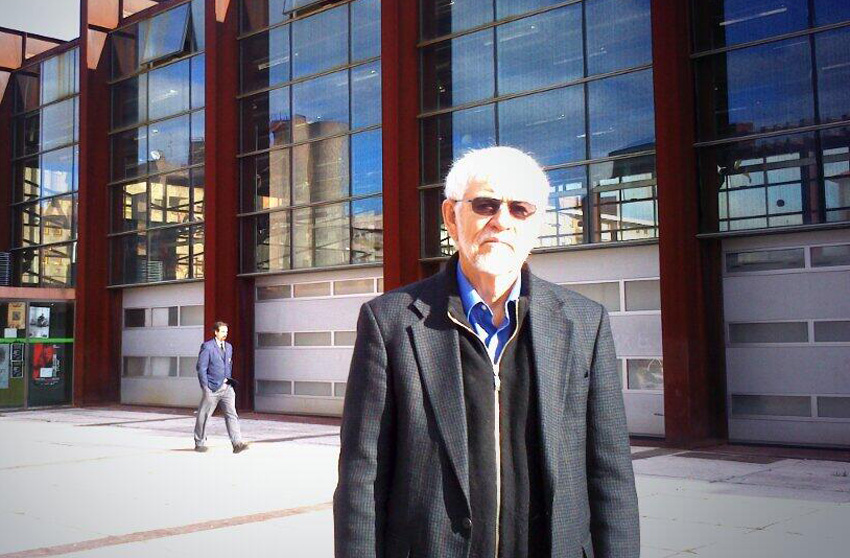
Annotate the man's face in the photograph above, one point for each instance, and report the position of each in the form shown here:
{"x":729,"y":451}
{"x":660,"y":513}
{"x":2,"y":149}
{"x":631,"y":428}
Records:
{"x":221,"y":333}
{"x":497,"y":244}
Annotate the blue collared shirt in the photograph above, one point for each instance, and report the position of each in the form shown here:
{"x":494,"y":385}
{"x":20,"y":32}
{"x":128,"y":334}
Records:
{"x":480,"y":316}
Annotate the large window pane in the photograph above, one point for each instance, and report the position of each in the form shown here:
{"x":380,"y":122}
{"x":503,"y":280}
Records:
{"x":448,"y":136}
{"x":757,"y":184}
{"x":26,"y":89}
{"x":197,"y":138}
{"x":833,"y":67}
{"x":169,"y":254}
{"x":129,"y":153}
{"x":129,"y":101}
{"x":619,"y":34}
{"x":320,"y":42}
{"x":367,"y":230}
{"x":320,"y":106}
{"x":320,"y":171}
{"x":266,"y":242}
{"x":58,"y":265}
{"x":435,"y":237}
{"x":57,"y":124}
{"x":257,"y":14}
{"x":720,"y":23}
{"x":549,"y":126}
{"x":366,"y":95}
{"x":756,"y":89}
{"x":321,"y":235}
{"x":506,"y":8}
{"x":835,"y":144}
{"x":27,"y":180}
{"x":57,"y":171}
{"x":365,"y":29}
{"x":125,"y":56}
{"x":624,"y":197}
{"x":265,"y":181}
{"x":27,"y":134}
{"x":169,"y":90}
{"x":163,"y":34}
{"x":58,"y":76}
{"x":539,"y":51}
{"x":57,"y":219}
{"x":27,"y":268}
{"x":622,"y":114}
{"x":265,"y":59}
{"x":458,"y":71}
{"x":169,"y":144}
{"x":441,"y":17}
{"x":130,"y":206}
{"x":129,"y":259}
{"x":564,"y":218}
{"x":170,"y":199}
{"x":265,"y":120}
{"x":831,"y":11}
{"x":199,"y":81}
{"x":26,"y":225}
{"x":198,"y":181}
{"x":366,"y":163}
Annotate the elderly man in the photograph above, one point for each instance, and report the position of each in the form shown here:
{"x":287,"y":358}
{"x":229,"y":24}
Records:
{"x":484,"y":412}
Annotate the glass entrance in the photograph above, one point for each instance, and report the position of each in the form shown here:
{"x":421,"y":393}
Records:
{"x":36,"y":353}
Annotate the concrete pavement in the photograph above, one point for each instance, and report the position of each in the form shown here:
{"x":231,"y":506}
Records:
{"x":124,"y":482}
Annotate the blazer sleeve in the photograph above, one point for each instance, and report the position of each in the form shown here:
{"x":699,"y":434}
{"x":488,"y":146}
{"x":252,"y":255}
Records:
{"x":614,"y":519}
{"x":203,"y":365}
{"x":366,"y":434}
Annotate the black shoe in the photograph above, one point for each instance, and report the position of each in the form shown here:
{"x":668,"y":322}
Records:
{"x":240,"y":447}
{"x":201,"y":449}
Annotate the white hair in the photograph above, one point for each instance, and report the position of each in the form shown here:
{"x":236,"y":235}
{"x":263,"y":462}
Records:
{"x":505,"y":168}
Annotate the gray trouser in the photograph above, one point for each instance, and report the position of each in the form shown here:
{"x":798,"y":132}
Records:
{"x":209,"y":401}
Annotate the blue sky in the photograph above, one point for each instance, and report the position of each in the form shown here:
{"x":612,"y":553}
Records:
{"x":54,"y":18}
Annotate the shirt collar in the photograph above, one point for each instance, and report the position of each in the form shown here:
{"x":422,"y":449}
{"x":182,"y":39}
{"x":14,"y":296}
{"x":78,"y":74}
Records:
{"x":470,"y":297}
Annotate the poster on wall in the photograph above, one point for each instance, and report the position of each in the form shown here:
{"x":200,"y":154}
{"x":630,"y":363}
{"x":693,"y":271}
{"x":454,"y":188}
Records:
{"x":17,"y":371}
{"x":39,"y":321}
{"x":17,"y":352}
{"x":16,"y":317}
{"x":4,"y":366}
{"x":46,"y":364}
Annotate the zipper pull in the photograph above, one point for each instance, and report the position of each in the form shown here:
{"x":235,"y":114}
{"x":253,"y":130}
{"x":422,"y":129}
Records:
{"x":497,"y":382}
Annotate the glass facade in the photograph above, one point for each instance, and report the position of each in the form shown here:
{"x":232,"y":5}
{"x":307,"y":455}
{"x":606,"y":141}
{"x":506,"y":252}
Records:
{"x":310,"y":138}
{"x":44,"y":171}
{"x":157,"y":148}
{"x":773,"y":112}
{"x":568,"y":82}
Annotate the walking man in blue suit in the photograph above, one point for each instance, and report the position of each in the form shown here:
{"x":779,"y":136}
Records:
{"x":215,"y":367}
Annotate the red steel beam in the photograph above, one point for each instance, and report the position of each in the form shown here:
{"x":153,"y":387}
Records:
{"x":97,"y":318}
{"x":400,"y":101}
{"x":227,"y":297}
{"x":691,"y":307}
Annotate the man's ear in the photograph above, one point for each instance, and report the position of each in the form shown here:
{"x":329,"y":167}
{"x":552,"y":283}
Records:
{"x":449,"y":217}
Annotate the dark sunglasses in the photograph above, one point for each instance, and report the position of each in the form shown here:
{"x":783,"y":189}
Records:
{"x":488,"y":207}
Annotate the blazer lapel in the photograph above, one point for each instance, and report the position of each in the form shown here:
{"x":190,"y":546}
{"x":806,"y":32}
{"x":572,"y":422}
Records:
{"x":551,"y":337}
{"x":437,"y":348}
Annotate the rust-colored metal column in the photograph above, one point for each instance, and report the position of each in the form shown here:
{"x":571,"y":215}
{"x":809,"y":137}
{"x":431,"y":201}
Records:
{"x":690,"y":280}
{"x":226,"y":297}
{"x":97,"y":319}
{"x":6,"y":102}
{"x":400,"y":98}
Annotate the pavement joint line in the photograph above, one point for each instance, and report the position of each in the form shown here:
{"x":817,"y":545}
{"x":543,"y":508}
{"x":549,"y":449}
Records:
{"x":137,"y":421}
{"x":142,"y":536}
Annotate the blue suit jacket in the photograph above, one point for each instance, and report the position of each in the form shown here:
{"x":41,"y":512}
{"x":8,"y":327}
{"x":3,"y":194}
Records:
{"x":212,"y":367}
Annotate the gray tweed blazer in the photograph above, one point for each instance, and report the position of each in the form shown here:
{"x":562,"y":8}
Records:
{"x":403,"y":469}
